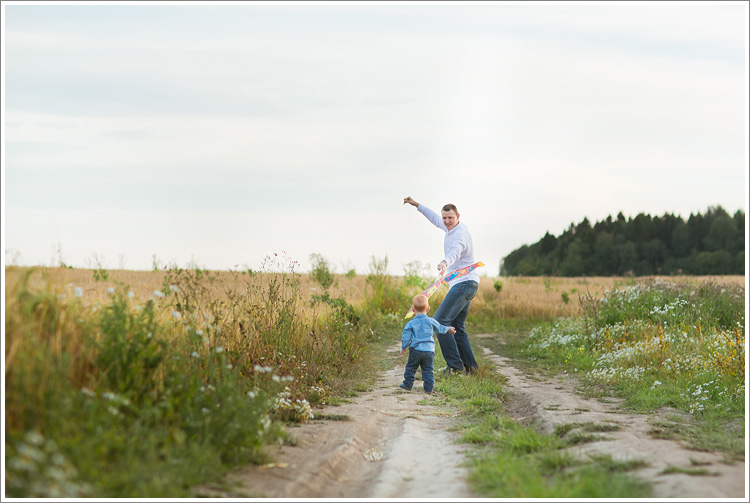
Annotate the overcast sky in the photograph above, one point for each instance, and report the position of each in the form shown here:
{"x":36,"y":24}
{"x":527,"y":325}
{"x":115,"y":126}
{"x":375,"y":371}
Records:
{"x":215,"y":135}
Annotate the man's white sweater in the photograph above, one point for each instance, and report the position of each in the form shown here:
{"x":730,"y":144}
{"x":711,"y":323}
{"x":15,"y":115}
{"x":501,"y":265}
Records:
{"x":457,"y":246}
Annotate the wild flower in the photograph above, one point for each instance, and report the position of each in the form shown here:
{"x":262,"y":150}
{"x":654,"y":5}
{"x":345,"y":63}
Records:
{"x":670,"y":307}
{"x":35,"y":468}
{"x":695,"y":407}
{"x":613,"y":374}
{"x":79,"y":291}
{"x":291,"y":409}
{"x":157,"y":293}
{"x":565,"y":332}
{"x":319,"y":394}
{"x":265,"y":423}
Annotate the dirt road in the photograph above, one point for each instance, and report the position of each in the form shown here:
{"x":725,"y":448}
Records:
{"x":398,"y":444}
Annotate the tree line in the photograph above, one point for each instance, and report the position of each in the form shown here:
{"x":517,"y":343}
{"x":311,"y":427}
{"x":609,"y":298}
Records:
{"x":710,"y":243}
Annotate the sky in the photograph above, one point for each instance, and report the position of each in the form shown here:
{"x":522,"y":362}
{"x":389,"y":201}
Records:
{"x":217,"y":135}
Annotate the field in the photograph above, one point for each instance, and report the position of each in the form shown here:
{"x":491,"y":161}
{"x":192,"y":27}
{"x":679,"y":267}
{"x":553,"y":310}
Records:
{"x":519,"y":297}
{"x":142,"y":384}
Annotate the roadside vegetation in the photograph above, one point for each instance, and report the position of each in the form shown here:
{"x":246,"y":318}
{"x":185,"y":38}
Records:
{"x":659,"y":345}
{"x":125,"y":384}
{"x":510,"y":460}
{"x":123,"y":398}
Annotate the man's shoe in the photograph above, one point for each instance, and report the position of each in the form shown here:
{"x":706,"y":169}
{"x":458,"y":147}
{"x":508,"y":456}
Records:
{"x":451,"y":371}
{"x":403,"y":386}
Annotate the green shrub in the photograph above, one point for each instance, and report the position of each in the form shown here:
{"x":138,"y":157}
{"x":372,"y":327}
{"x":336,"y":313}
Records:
{"x":149,"y":400}
{"x":321,"y":271}
{"x":383,"y":293}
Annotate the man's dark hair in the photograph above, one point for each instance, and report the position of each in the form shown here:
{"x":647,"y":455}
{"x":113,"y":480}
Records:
{"x":450,"y":207}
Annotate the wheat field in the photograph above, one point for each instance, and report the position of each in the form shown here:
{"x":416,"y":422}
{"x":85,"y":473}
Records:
{"x":518,"y":297}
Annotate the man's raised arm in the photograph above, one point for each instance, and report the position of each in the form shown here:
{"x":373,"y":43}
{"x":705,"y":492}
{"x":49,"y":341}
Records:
{"x":430,"y":215}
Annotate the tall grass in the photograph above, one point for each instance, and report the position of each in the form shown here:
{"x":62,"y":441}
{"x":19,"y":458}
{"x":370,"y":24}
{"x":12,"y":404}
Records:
{"x":143,"y":384}
{"x":658,"y":344}
{"x":116,"y":397}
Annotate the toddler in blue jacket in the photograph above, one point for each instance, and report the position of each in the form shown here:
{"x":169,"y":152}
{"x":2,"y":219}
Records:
{"x":417,"y":336}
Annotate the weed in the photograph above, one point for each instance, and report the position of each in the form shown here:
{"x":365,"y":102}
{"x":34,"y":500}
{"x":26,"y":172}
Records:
{"x":321,"y":271}
{"x":146,"y":399}
{"x":688,"y":471}
{"x":600,"y":427}
{"x":582,"y":437}
{"x":656,"y":344}
{"x":415,"y":275}
{"x":498,"y":286}
{"x":561,"y":429}
{"x":611,"y":465}
{"x":332,"y":417}
{"x":513,"y":461}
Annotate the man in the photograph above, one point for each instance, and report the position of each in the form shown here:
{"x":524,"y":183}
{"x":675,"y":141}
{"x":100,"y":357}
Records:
{"x":459,"y":252}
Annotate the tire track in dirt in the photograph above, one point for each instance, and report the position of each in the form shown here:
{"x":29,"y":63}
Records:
{"x":547,"y":403}
{"x":395,"y":444}
{"x":398,"y":444}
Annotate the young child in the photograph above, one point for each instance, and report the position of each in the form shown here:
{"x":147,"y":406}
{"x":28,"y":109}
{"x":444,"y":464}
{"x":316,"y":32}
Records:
{"x":417,"y":336}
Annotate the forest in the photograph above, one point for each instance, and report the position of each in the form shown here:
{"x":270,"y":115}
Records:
{"x":705,"y":244}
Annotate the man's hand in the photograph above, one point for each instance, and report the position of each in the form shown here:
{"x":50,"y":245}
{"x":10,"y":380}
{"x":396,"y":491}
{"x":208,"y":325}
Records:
{"x":442,"y":267}
{"x":411,"y":201}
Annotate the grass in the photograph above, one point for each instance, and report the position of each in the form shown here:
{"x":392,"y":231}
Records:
{"x":331,"y":417}
{"x":655,"y":344}
{"x":701,"y":472}
{"x":126,"y":396}
{"x":143,"y":384}
{"x":514,"y":461}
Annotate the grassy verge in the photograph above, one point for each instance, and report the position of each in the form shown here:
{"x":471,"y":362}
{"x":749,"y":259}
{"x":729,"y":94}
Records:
{"x":113,"y":391}
{"x":147,"y":399}
{"x":678,"y":348}
{"x":513,"y":461}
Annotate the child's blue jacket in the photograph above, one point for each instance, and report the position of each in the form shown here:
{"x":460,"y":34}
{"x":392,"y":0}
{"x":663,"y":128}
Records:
{"x":418,"y":333}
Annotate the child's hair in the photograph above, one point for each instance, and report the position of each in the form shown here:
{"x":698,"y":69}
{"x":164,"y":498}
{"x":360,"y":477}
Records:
{"x":420,"y":303}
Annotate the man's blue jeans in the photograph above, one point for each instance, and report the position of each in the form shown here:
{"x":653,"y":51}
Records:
{"x":456,"y":348}
{"x":425,"y":360}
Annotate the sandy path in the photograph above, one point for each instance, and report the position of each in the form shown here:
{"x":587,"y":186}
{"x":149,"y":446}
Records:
{"x":377,"y":451}
{"x":396,"y":444}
